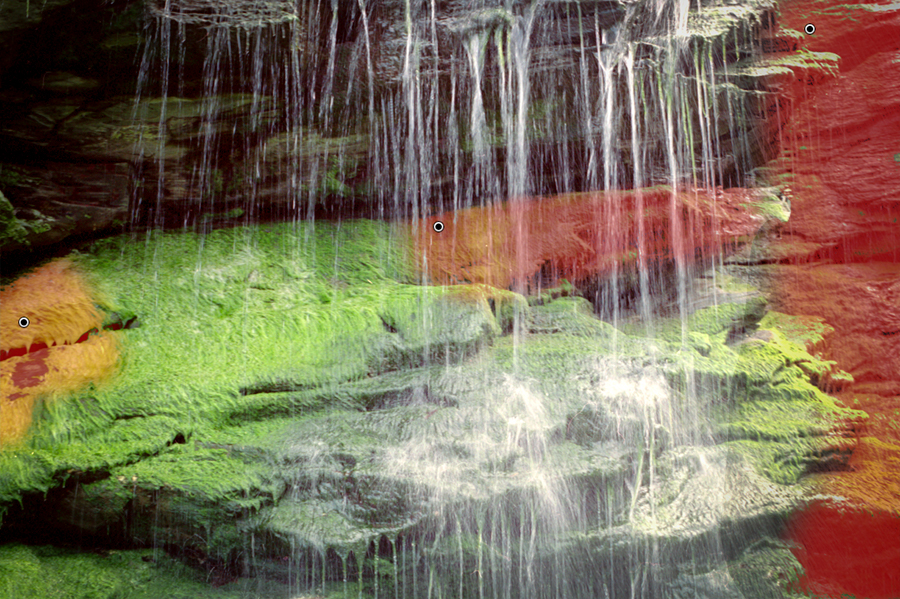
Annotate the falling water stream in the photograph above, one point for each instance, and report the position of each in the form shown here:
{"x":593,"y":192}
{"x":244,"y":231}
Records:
{"x":407,"y":109}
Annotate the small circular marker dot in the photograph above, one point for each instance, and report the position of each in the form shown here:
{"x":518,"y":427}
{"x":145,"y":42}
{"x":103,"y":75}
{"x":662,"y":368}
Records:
{"x":24,"y":322}
{"x":438,"y":226}
{"x":809,"y":29}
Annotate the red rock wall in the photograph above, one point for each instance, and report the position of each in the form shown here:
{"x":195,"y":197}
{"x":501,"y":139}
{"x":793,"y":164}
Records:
{"x":841,"y":157}
{"x":577,"y":236}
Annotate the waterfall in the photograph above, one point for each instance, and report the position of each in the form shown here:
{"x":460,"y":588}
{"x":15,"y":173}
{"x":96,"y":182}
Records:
{"x":448,"y":112}
{"x":409,"y":109}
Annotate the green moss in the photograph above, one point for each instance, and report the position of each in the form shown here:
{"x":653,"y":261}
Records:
{"x":317,"y":524}
{"x":805,"y":331}
{"x":24,"y":471}
{"x":236,"y":326}
{"x":794,"y":335}
{"x":770,"y":407}
{"x":772,"y":207}
{"x":27,"y":573}
{"x":766,"y":570}
{"x":732,"y":284}
{"x":279,"y":370}
{"x":727,"y":316}
{"x":712,"y":321}
{"x":197,"y":471}
{"x":338,"y":171}
{"x":802,"y":61}
{"x":509,"y":308}
{"x":207,"y":303}
{"x":11,"y":228}
{"x":781,"y":411}
{"x":136,"y":574}
{"x":10,"y":176}
{"x":571,"y":315}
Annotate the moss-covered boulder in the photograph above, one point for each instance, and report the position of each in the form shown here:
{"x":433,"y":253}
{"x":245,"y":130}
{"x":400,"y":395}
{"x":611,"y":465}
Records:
{"x":290,"y":406}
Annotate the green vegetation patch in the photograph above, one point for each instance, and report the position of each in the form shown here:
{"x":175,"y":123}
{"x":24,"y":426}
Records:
{"x":785,"y":415}
{"x":289,"y":388}
{"x":236,"y":325}
{"x":799,"y":62}
{"x":11,"y":228}
{"x":767,"y":570}
{"x":61,"y":573}
{"x":568,"y":315}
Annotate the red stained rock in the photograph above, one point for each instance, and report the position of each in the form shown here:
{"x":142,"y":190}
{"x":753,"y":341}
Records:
{"x":577,"y":236}
{"x":30,"y":371}
{"x":848,"y":550}
{"x":842,"y":150}
{"x":862,"y":303}
{"x":842,"y":135}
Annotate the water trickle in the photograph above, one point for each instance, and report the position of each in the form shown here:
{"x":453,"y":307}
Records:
{"x":405,"y":110}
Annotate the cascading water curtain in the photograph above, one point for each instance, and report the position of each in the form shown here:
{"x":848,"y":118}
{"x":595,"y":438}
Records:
{"x":404,"y":109}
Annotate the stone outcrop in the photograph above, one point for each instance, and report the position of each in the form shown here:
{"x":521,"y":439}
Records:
{"x":296,"y":406}
{"x":83,"y":157}
{"x":839,"y":108}
{"x":529,"y":243}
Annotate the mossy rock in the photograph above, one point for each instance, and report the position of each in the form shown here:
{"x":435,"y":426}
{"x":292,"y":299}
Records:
{"x":569,"y":315}
{"x":767,"y":570}
{"x":44,"y":571}
{"x":291,"y":392}
{"x":11,"y":229}
{"x":230,"y":320}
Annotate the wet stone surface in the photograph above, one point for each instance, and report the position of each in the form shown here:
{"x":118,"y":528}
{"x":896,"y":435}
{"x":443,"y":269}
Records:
{"x":398,"y":419}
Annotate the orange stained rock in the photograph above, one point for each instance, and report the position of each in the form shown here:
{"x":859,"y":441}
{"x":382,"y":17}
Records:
{"x":873,"y":480}
{"x":58,"y":304}
{"x":56,"y":300}
{"x":576,"y":236}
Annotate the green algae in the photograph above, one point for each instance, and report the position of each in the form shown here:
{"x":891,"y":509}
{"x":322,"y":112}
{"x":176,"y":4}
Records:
{"x":784,"y":414}
{"x":241,"y":324}
{"x":772,"y":206}
{"x":775,"y":413}
{"x":568,"y":315}
{"x":276,"y":374}
{"x":316,"y":524}
{"x":806,"y":331}
{"x":11,"y":228}
{"x":25,"y":572}
{"x":801,"y":61}
{"x":767,"y":570}
{"x":732,"y":284}
{"x":15,"y":231}
{"x":712,"y":321}
{"x":43,"y":571}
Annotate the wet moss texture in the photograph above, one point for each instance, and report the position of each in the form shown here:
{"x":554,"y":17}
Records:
{"x":290,"y":391}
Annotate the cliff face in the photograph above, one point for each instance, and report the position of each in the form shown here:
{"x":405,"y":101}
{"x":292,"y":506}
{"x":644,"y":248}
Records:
{"x":534,"y":242}
{"x":349,"y":345}
{"x":118,"y":114}
{"x":841,"y":251}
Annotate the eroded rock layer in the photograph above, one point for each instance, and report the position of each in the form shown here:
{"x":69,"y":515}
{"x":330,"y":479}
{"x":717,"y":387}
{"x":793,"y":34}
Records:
{"x":840,"y":253}
{"x":293,"y":410}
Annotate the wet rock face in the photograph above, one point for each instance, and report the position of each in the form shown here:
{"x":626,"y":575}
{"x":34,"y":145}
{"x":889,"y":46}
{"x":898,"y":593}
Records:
{"x":587,"y":237}
{"x":61,"y":62}
{"x":290,"y":404}
{"x":845,"y":172}
{"x":17,"y":20}
{"x":377,"y":115}
{"x":840,"y":167}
